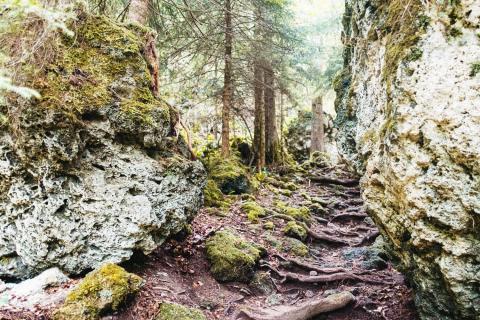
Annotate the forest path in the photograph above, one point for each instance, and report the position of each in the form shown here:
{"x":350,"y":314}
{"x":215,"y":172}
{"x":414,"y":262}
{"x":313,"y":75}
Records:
{"x":179,"y":271}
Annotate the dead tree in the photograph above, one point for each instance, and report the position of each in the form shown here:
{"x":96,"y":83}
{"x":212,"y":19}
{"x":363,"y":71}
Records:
{"x":317,"y":136}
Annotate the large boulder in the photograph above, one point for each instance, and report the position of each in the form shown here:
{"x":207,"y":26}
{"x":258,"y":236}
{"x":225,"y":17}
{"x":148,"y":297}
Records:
{"x":89,"y":173}
{"x":408,"y":118}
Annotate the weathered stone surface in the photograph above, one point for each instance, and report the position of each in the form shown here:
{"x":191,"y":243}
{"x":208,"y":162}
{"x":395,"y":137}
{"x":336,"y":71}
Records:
{"x":89,"y":173}
{"x":45,"y":290}
{"x":409,"y":118}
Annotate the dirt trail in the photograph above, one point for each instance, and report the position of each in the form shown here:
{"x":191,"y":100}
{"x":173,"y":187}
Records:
{"x":178,"y":272}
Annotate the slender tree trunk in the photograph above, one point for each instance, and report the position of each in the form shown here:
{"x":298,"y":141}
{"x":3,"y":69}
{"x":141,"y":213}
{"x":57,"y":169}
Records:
{"x":282,"y":124}
{"x":317,"y":136}
{"x":272,"y":150}
{"x":259,"y":121}
{"x":227,"y":84}
{"x":138,"y":11}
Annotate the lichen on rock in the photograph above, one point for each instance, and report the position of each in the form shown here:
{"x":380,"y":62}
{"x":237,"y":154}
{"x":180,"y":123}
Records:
{"x":408,"y":122}
{"x":102,"y":290}
{"x":231,"y":257}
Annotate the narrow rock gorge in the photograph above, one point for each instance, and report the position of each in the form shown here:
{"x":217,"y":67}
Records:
{"x":408,"y":109}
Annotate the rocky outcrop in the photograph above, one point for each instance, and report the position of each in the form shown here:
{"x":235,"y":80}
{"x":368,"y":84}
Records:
{"x":408,"y":119}
{"x":90,"y":173}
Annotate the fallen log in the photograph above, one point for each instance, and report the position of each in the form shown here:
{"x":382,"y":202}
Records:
{"x":342,"y":182}
{"x":302,"y":311}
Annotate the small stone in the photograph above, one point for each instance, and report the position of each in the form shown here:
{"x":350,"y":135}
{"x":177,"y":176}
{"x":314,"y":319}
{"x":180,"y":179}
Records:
{"x":313,"y":273}
{"x":263,"y":283}
{"x":309,"y":294}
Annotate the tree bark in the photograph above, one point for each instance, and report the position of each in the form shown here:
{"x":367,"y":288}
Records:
{"x":317,"y":136}
{"x":259,"y":121}
{"x":272,"y":154}
{"x":138,"y":11}
{"x":227,"y":83}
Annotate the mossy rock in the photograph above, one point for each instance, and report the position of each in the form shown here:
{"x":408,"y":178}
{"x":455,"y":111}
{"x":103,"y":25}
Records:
{"x":231,"y":257}
{"x":214,"y":196}
{"x":173,"y":311}
{"x":294,"y":230}
{"x":253,"y":210}
{"x":301,"y":214}
{"x":269,"y":225}
{"x":263,"y":283}
{"x":230,"y":175}
{"x":102,"y":290}
{"x":295,"y":247}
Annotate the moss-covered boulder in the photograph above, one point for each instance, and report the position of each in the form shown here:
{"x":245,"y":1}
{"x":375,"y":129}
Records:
{"x":173,"y":311}
{"x":101,"y":143}
{"x":214,"y":197}
{"x":101,"y":291}
{"x":231,"y":257}
{"x":295,"y":230}
{"x":231,"y":176}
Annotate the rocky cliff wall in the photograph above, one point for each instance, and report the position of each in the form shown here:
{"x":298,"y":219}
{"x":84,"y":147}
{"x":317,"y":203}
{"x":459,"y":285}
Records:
{"x":409,"y":122}
{"x":89,"y":173}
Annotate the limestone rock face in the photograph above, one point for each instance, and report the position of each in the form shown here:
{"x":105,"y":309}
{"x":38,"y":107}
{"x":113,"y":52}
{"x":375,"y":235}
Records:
{"x":90,"y":174}
{"x":409,"y":121}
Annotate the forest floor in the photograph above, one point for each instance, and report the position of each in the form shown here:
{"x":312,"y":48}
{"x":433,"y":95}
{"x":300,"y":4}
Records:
{"x":179,"y":271}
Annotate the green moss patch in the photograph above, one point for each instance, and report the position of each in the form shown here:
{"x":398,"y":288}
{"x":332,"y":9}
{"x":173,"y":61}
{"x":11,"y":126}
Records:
{"x":253,"y":210}
{"x":231,"y":257}
{"x":102,"y":65}
{"x":173,"y":311}
{"x":230,"y":175}
{"x":475,"y":69}
{"x":214,"y":196}
{"x":294,"y":247}
{"x":300,"y":214}
{"x":294,"y":230}
{"x":102,"y":290}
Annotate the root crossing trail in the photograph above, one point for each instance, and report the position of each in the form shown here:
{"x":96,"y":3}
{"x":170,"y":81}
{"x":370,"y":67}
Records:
{"x":342,"y":255}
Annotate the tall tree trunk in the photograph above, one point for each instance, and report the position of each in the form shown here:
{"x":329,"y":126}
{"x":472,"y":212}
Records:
{"x":282,"y":124}
{"x":272,"y":149}
{"x":138,"y":11}
{"x":317,"y":136}
{"x":227,"y":83}
{"x":259,"y":121}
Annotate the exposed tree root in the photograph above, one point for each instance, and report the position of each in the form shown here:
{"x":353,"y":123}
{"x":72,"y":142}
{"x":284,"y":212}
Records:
{"x":371,"y":235}
{"x":303,"y":311}
{"x":322,"y":278}
{"x":323,"y":236}
{"x":342,"y":182}
{"x":348,"y":215}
